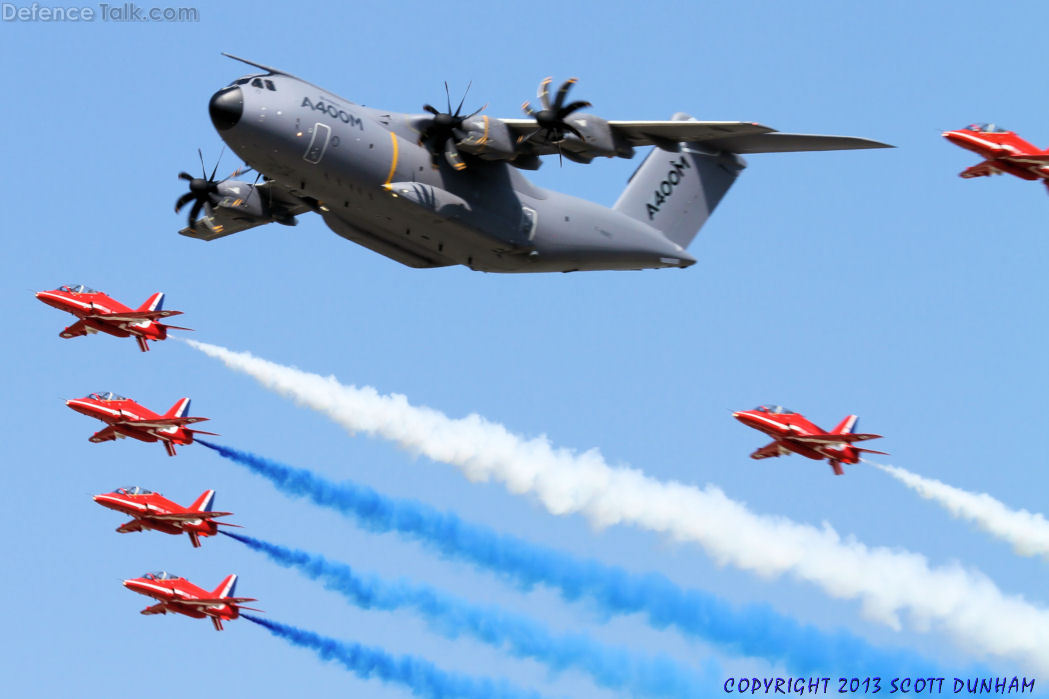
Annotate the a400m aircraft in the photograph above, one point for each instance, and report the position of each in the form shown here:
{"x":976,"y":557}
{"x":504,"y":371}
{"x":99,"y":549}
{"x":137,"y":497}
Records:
{"x":443,"y":188}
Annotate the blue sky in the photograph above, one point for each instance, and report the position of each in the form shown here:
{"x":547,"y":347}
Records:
{"x":873,"y":282}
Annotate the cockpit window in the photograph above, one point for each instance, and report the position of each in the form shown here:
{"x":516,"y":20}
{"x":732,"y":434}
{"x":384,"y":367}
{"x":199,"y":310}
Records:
{"x":257,"y":82}
{"x":161,"y":575}
{"x":108,"y":395}
{"x":774,"y":410}
{"x":269,"y":85}
{"x":77,"y":289}
{"x":987,"y":128}
{"x":133,"y":490}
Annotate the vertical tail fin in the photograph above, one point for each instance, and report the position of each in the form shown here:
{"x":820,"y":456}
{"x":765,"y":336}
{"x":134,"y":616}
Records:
{"x":179,"y":409}
{"x":153,"y":303}
{"x":675,"y":192}
{"x":204,"y":503}
{"x":846,"y":426}
{"x":226,"y":587}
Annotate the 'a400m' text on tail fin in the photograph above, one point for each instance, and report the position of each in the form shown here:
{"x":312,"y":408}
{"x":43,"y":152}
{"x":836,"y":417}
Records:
{"x":675,"y":193}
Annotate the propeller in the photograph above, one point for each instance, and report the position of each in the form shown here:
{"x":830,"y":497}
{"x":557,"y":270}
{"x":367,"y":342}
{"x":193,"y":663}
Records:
{"x":551,"y":119}
{"x":440,"y":134}
{"x":201,"y":188}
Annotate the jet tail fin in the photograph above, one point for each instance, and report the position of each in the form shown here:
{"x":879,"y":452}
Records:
{"x":204,"y":503}
{"x":226,"y":587}
{"x":153,"y":303}
{"x":675,"y":192}
{"x":847,"y":426}
{"x":179,"y":409}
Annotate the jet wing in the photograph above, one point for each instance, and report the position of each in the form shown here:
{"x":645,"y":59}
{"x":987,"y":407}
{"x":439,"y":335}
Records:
{"x":833,"y":438}
{"x":186,"y":516}
{"x":768,"y":451}
{"x":164,"y":421}
{"x":108,"y":434}
{"x":135,"y":316}
{"x":212,"y":601}
{"x":77,"y":329}
{"x":230,"y":215}
{"x":1031,"y":159}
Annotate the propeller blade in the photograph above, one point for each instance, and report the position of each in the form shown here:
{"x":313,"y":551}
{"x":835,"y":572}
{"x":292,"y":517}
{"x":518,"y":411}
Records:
{"x":451,"y":154}
{"x":563,"y":92}
{"x":460,"y":107}
{"x":194,"y":211}
{"x":527,"y":108}
{"x":185,"y":176}
{"x":183,"y":200}
{"x":544,"y":93}
{"x":203,"y":170}
{"x":522,"y":139}
{"x":470,"y":116}
{"x":565,"y":111}
{"x":448,"y":96}
{"x":431,"y":109}
{"x":221,"y":153}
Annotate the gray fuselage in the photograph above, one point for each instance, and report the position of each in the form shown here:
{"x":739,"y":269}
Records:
{"x":374,"y":184}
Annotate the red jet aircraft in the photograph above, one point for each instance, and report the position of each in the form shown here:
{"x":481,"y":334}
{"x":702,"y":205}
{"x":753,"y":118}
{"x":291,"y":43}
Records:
{"x":126,"y":418}
{"x":99,"y":313}
{"x":1002,"y":151}
{"x":153,"y":511}
{"x":179,"y":596}
{"x":793,"y":433}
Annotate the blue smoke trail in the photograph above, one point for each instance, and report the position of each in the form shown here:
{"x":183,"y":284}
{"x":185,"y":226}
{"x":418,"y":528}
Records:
{"x":754,"y":630}
{"x":420,"y":676}
{"x":609,"y":667}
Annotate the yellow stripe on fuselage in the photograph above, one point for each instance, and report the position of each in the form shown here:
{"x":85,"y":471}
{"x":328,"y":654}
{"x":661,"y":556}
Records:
{"x":393,"y":161}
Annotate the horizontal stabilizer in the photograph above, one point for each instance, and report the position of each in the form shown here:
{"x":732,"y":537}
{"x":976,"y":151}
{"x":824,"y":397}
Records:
{"x":872,"y":451}
{"x":833,"y":438}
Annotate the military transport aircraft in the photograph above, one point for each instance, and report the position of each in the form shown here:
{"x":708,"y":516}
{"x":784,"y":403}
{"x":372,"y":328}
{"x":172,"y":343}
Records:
{"x":126,"y":418}
{"x":179,"y":596}
{"x":153,"y":511}
{"x":1002,"y":151}
{"x":99,"y":313}
{"x":791,"y":432}
{"x":444,"y":188}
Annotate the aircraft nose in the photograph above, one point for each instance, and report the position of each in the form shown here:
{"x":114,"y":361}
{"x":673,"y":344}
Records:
{"x":226,"y":107}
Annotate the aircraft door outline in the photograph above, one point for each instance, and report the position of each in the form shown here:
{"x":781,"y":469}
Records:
{"x":318,"y":143}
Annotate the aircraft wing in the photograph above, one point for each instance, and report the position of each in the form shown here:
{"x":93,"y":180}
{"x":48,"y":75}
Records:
{"x":768,"y":451}
{"x":77,"y":329}
{"x":732,"y":136}
{"x":833,"y":438}
{"x":186,"y":516}
{"x":212,"y":601}
{"x":165,"y":421}
{"x":231,"y":215}
{"x":107,"y":434}
{"x":1032,"y":159}
{"x":134,"y":316}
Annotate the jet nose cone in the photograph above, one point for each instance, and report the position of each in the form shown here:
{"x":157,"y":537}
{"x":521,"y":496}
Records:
{"x":226,"y":107}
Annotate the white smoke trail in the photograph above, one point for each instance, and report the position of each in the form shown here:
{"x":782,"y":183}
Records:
{"x":1028,"y":532}
{"x":964,"y":603}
